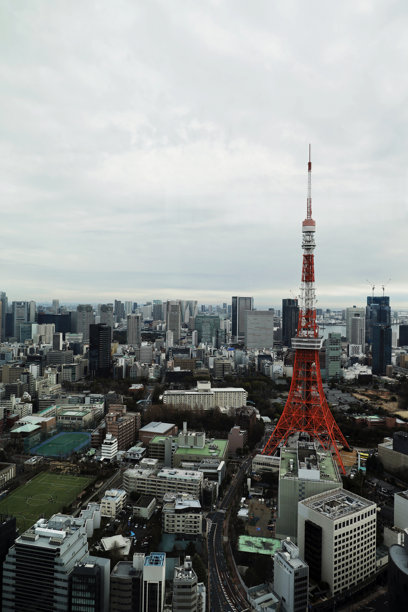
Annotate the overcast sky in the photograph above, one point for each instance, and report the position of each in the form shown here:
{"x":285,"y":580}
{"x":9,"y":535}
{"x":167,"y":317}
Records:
{"x":157,"y":149}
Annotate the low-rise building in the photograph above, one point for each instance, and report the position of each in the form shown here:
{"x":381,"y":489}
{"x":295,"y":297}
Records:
{"x":182,"y":514}
{"x":158,"y":482}
{"x":237,"y":439}
{"x":156,"y":428}
{"x":265,"y":463}
{"x":7,"y":472}
{"x":206,"y":397}
{"x":113,"y":502}
{"x":144,"y":507}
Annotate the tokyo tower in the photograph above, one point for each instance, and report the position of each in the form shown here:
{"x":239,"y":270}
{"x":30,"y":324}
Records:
{"x":306,"y":409}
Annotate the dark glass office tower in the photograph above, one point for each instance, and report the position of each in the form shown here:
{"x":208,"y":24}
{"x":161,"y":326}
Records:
{"x":290,"y":316}
{"x":99,"y":349}
{"x":379,"y":333}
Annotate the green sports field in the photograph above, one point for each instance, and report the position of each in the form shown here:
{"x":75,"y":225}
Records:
{"x":43,"y":496}
{"x":62,"y":444}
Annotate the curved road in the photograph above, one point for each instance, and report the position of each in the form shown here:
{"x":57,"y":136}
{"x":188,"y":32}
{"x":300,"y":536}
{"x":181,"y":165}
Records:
{"x":226,"y":593}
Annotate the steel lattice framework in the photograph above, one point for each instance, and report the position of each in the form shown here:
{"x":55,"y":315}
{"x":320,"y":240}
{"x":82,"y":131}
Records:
{"x":306,"y":409}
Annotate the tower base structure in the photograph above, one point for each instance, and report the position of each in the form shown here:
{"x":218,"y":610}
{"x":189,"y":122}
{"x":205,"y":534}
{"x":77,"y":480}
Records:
{"x":306,"y":409}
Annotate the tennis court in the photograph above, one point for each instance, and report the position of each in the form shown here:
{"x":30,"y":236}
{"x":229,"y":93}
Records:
{"x":42,"y":496}
{"x":63,"y":444}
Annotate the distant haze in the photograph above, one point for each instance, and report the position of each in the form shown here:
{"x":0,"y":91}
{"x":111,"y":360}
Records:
{"x":158,"y":149}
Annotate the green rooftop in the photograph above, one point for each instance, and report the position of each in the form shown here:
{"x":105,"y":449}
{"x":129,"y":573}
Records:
{"x":209,"y":449}
{"x":260,"y":546}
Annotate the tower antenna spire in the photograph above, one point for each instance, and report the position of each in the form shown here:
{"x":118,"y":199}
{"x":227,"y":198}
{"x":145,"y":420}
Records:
{"x":309,"y":184}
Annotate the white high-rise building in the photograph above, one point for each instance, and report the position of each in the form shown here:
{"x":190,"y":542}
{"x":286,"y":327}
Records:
{"x":36,"y":572}
{"x":154,"y":582}
{"x":355,"y":325}
{"x":337,"y":538}
{"x":109,"y":448}
{"x":291,"y":578}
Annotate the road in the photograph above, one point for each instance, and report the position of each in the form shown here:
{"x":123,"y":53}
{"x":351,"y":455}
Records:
{"x":226,"y":593}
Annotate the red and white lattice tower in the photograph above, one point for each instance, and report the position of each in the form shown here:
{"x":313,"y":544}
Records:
{"x":306,"y":409}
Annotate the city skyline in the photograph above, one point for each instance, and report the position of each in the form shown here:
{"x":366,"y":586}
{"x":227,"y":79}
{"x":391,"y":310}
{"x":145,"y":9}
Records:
{"x":155,"y":151}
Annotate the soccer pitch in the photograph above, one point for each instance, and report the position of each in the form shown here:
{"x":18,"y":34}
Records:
{"x":43,"y":496}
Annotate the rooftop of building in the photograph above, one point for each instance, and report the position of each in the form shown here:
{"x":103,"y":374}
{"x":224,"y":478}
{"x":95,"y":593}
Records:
{"x":29,"y":427}
{"x":290,"y":552}
{"x":123,"y":569}
{"x":155,"y":559}
{"x":399,"y":555}
{"x":180,"y":474}
{"x":261,"y":546}
{"x":181,"y":503}
{"x":203,"y":390}
{"x":310,"y":461}
{"x":157,"y":427}
{"x":52,"y":533}
{"x":403,"y":494}
{"x":114,"y":494}
{"x":185,"y":573}
{"x":144,"y":501}
{"x":212,"y":448}
{"x":337,"y":503}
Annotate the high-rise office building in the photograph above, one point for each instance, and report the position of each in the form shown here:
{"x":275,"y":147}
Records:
{"x":337,"y":538}
{"x":128,"y":307}
{"x":302,"y":472}
{"x":379,"y":333}
{"x":291,"y":578}
{"x":185,"y":592}
{"x":55,"y":306}
{"x":403,"y":335}
{"x":238,"y":307}
{"x":258,"y":328}
{"x":173,"y":319}
{"x":157,"y":310}
{"x":37,"y":569}
{"x":290,"y":318}
{"x":189,"y":309}
{"x":398,"y":575}
{"x":99,"y":349}
{"x":20,"y":315}
{"x":207,"y":327}
{"x":333,"y":356}
{"x":4,"y":310}
{"x":355,"y":325}
{"x":106,"y":314}
{"x":119,"y":310}
{"x":154,"y":582}
{"x":84,"y":318}
{"x":126,"y":585}
{"x":134,"y":329}
{"x":89,"y":585}
{"x":8,"y":533}
{"x":381,"y":348}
